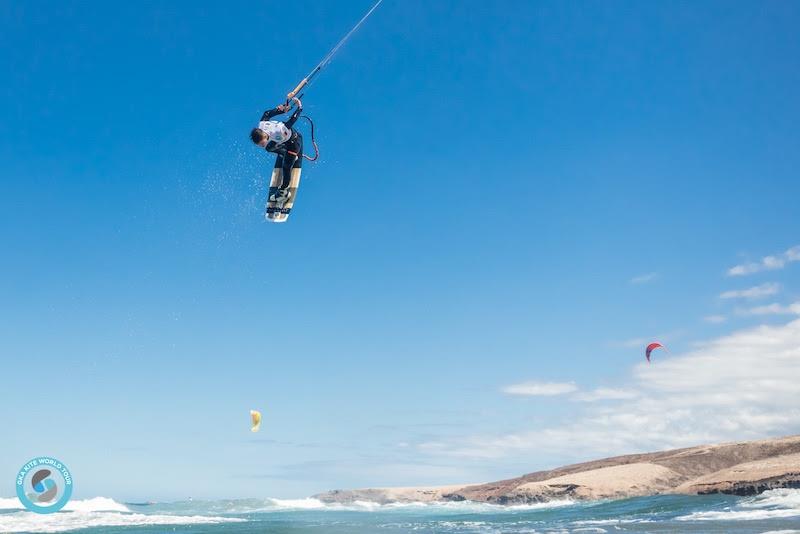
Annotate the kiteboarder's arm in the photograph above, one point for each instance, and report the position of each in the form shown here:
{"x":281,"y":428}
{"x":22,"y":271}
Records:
{"x":283,"y":108}
{"x":270,"y":113}
{"x":296,"y":114}
{"x":293,"y":118}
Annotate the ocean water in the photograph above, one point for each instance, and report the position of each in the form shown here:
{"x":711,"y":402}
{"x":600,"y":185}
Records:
{"x":774,"y":512}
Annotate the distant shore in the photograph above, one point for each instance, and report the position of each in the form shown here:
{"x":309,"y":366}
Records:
{"x":742,"y":468}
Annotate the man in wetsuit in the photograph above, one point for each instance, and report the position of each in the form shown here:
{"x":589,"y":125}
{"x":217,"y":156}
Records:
{"x":279,"y":137}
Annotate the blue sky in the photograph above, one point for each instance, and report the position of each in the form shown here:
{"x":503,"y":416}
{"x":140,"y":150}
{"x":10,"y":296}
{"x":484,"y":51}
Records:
{"x":493,"y":177}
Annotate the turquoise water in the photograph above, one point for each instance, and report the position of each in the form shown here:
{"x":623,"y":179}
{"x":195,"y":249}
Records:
{"x":774,"y":511}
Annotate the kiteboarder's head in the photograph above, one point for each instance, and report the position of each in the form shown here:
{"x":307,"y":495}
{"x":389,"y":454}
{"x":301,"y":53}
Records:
{"x":259,"y":137}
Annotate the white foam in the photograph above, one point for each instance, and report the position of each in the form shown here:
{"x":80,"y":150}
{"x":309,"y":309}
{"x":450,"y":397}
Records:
{"x":285,"y":505}
{"x":773,"y":504}
{"x":66,"y":521}
{"x":472,"y":526}
{"x":298,"y":504}
{"x":370,"y":506}
{"x":786,"y":498}
{"x":236,"y":507}
{"x":539,"y":505}
{"x":482,"y":507}
{"x":611,"y":521}
{"x":10,"y":503}
{"x":96,"y":504}
{"x":462,"y":506}
{"x":740,"y":515}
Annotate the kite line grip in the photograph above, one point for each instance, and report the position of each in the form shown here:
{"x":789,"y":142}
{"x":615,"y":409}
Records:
{"x":296,"y":90}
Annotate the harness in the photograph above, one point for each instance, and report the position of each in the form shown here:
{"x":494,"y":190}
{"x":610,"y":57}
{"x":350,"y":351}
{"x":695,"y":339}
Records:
{"x":274,"y":127}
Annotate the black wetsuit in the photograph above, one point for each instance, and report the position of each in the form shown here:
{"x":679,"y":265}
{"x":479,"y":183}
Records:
{"x":292,"y":149}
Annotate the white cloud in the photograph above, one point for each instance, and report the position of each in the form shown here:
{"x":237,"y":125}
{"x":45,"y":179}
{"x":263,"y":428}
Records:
{"x":767,"y":263}
{"x":715,"y":319}
{"x":745,"y":385}
{"x":546,"y":389}
{"x":773,"y":309}
{"x":764,"y":290}
{"x":643,"y":278}
{"x":601,"y":394}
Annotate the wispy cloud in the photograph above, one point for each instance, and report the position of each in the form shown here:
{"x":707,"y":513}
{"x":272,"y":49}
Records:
{"x":715,"y":319}
{"x":767,"y":263}
{"x":641,"y":342}
{"x":643,"y":278}
{"x":601,"y":394}
{"x":764,"y":290}
{"x":545,"y":389}
{"x":744,"y":385}
{"x":632,"y":342}
{"x":773,"y":309}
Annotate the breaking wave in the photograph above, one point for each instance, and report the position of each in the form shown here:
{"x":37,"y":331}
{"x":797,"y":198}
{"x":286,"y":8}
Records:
{"x":673,"y":513}
{"x":772,"y":504}
{"x":96,"y":504}
{"x":90,"y":513}
{"x":11,"y":503}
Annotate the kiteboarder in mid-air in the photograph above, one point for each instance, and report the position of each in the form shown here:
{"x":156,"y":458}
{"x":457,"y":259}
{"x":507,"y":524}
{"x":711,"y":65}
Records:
{"x":280,"y":138}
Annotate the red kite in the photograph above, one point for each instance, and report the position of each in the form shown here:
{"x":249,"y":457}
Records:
{"x":651,"y":347}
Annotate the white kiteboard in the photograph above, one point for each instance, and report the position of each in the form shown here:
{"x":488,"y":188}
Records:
{"x":279,"y":211}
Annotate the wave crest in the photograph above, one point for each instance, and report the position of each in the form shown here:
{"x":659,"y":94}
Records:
{"x":772,"y":504}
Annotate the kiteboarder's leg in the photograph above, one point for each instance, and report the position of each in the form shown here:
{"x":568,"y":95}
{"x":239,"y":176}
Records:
{"x":291,"y":152}
{"x":279,"y":194}
{"x":289,"y":158}
{"x":288,"y":162}
{"x":294,"y":151}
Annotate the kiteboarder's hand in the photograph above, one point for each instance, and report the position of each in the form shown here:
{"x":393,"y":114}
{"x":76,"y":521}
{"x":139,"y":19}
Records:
{"x":283,"y":108}
{"x":297,"y":102}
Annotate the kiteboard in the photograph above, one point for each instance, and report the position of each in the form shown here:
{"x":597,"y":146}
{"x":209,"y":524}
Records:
{"x":279,"y":211}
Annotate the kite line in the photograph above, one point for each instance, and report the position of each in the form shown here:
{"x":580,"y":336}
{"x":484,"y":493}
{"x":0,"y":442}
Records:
{"x":327,"y":59}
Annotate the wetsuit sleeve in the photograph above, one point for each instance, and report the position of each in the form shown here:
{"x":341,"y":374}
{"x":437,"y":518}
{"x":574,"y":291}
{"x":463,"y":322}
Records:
{"x":270,"y":113}
{"x":294,"y":117}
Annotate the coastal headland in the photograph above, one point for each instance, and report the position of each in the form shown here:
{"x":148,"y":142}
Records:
{"x":741,"y":468}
